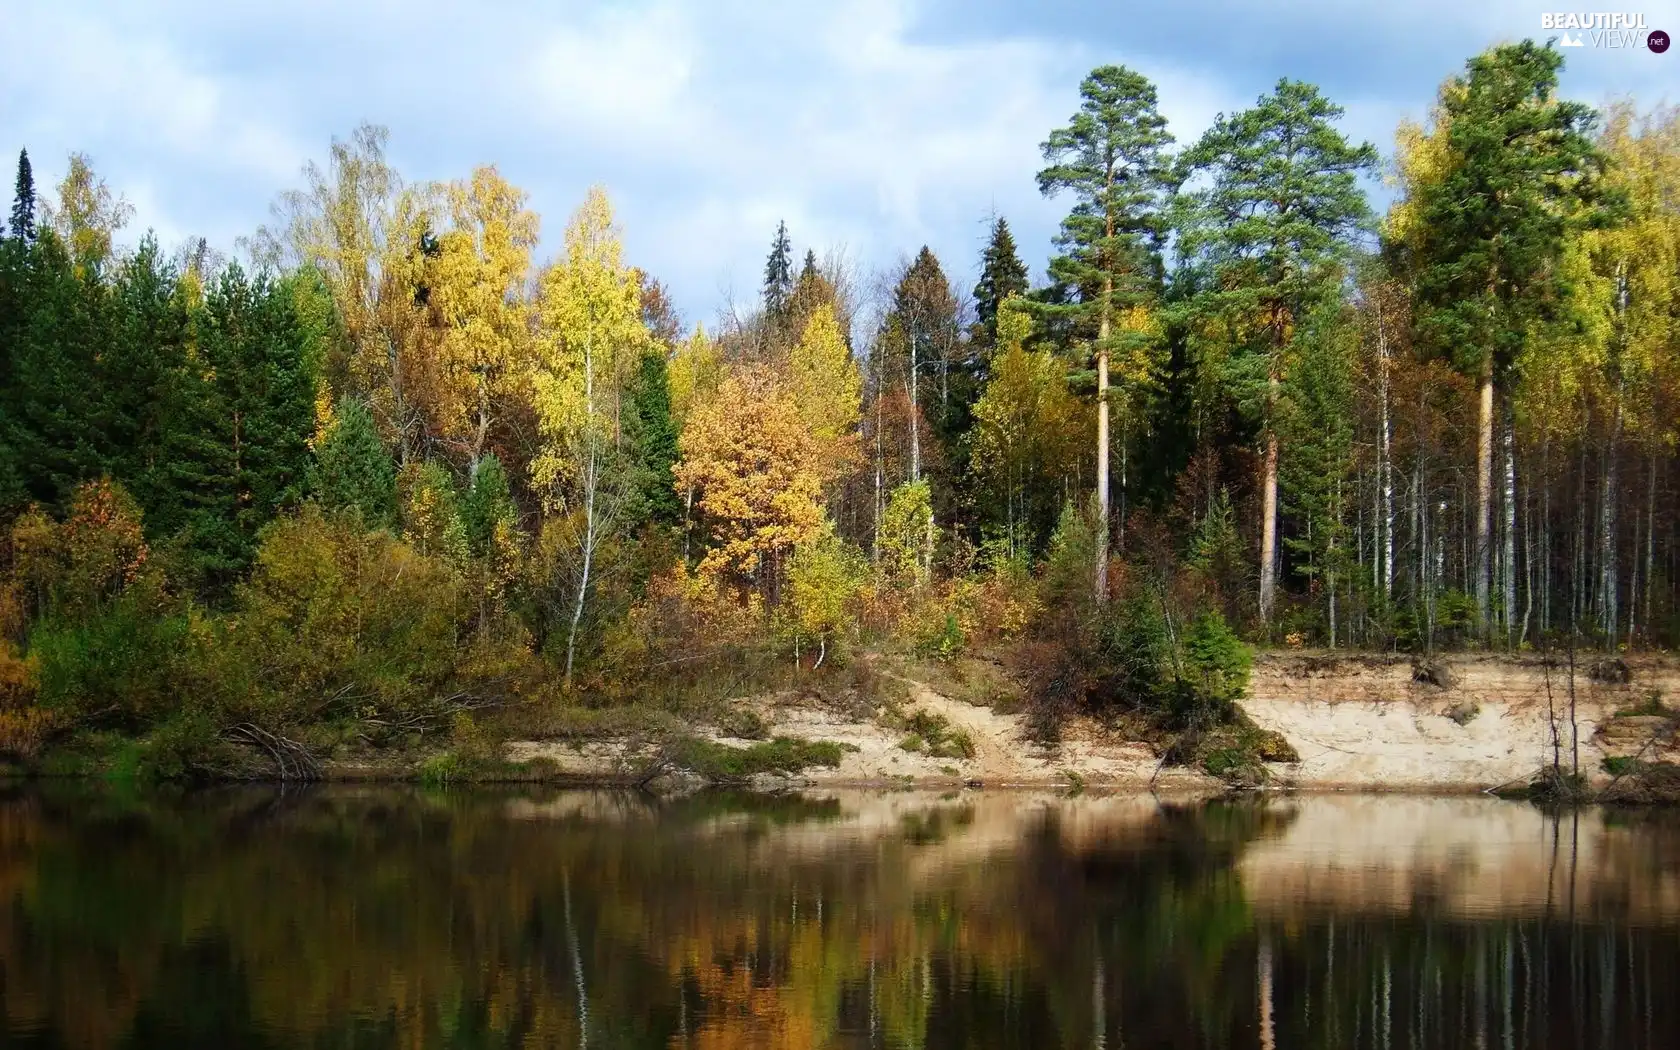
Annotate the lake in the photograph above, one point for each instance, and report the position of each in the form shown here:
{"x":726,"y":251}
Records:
{"x":385,"y":917}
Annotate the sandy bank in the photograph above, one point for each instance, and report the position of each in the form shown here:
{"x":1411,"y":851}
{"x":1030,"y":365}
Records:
{"x":1369,"y":723}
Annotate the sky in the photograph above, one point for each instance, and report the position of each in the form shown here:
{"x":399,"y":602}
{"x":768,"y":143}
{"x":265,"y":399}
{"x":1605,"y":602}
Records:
{"x":870,"y":126}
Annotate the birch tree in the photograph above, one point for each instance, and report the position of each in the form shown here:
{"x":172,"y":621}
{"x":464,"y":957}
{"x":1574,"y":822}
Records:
{"x":590,"y":342}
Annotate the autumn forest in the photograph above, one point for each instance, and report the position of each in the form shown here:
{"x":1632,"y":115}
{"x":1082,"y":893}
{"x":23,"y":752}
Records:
{"x":378,"y":474}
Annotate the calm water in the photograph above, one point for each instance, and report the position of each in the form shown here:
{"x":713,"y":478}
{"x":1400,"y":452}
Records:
{"x":390,"y":918}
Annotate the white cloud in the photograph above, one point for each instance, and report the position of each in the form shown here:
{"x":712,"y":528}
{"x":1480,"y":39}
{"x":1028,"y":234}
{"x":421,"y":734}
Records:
{"x":880,"y":124}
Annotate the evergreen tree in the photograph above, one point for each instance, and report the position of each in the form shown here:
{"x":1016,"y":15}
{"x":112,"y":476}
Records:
{"x":1002,"y":274}
{"x":1272,"y":228}
{"x":353,"y":471}
{"x":1111,"y":156}
{"x":52,"y":400}
{"x":1483,"y":230}
{"x":657,"y":439}
{"x":487,"y":502}
{"x":22,"y":225}
{"x":144,"y":381}
{"x":778,"y":276}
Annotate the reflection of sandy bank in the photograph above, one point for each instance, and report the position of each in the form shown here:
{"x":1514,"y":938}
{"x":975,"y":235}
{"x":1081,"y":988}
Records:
{"x":1461,"y":857}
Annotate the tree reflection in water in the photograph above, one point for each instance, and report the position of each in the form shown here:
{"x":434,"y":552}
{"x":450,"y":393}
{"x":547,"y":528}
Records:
{"x":394,"y":918}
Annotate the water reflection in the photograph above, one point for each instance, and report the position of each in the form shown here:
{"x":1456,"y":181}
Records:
{"x":392,"y":918}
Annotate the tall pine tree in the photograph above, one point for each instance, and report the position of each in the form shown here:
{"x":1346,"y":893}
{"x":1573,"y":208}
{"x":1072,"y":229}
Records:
{"x":1484,"y":231}
{"x":1112,"y":158}
{"x":1273,"y":226}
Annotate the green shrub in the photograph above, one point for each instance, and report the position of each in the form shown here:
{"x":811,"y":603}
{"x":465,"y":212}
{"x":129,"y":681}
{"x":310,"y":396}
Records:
{"x":783,"y":756}
{"x":185,"y":747}
{"x":119,"y":665}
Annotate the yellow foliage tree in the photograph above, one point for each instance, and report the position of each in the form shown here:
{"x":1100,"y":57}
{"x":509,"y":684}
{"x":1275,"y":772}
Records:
{"x":828,"y":388}
{"x":477,"y":283}
{"x":823,"y":579}
{"x":591,"y":341}
{"x":754,"y":465}
{"x":1026,"y":427}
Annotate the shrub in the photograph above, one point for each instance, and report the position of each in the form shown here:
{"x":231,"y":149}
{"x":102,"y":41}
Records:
{"x":184,"y":747}
{"x":120,"y":666}
{"x":784,"y":756}
{"x":336,"y":619}
{"x":24,"y":729}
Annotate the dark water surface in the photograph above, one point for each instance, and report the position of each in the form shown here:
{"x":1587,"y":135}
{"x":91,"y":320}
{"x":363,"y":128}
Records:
{"x":393,"y":918}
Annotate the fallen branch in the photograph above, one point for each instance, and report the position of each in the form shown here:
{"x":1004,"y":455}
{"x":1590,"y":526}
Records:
{"x":291,"y":759}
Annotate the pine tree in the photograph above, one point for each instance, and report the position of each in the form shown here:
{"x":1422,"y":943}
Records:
{"x":22,"y":225}
{"x":1111,"y":156}
{"x":1002,"y":274}
{"x":778,"y":276}
{"x":1273,"y":228}
{"x":1484,"y":228}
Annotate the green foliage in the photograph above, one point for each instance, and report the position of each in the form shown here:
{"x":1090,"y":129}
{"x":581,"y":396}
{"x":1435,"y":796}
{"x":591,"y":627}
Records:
{"x":1067,"y":566}
{"x":656,"y":439}
{"x":1112,"y":158}
{"x":336,"y":620}
{"x":120,"y":665}
{"x":431,"y":515}
{"x":352,"y":469}
{"x":487,"y":503}
{"x":22,"y":225}
{"x":905,"y":543}
{"x":1216,"y":659}
{"x":185,"y":747}
{"x":1520,"y":171}
{"x":1002,"y":274}
{"x":824,"y":576}
{"x":783,"y":756}
{"x":1281,"y":198}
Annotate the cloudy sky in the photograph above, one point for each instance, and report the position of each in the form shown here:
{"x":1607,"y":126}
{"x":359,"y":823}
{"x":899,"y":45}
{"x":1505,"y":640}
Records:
{"x":877,"y":125}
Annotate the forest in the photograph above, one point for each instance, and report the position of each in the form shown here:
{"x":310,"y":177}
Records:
{"x":377,"y":475}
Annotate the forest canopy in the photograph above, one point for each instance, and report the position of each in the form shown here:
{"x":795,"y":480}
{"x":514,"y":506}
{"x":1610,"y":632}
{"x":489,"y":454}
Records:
{"x":378,"y":468}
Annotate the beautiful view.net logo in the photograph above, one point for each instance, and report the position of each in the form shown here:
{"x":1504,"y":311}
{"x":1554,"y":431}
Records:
{"x":1605,"y":29}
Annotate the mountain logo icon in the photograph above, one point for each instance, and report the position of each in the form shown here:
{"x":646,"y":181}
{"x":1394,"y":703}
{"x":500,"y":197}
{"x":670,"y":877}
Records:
{"x":1567,"y":41}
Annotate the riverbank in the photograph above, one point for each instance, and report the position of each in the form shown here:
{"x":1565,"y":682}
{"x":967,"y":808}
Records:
{"x":1361,"y":722}
{"x":1356,"y":722}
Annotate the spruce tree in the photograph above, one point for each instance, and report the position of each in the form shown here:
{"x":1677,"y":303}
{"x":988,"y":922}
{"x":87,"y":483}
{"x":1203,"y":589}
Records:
{"x":657,"y":439}
{"x":778,"y":276}
{"x":486,"y":503}
{"x":1002,"y":274}
{"x":52,"y":398}
{"x":22,"y":225}
{"x":144,"y":383}
{"x":1112,"y":158}
{"x":353,"y":471}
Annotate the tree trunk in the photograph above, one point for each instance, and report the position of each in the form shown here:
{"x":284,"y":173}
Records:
{"x":1268,"y":508}
{"x":590,"y":485}
{"x":1484,"y":500}
{"x":1385,"y":464}
{"x":915,"y":415}
{"x":1102,"y":446}
{"x":1509,"y":570}
{"x":1607,"y":604}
